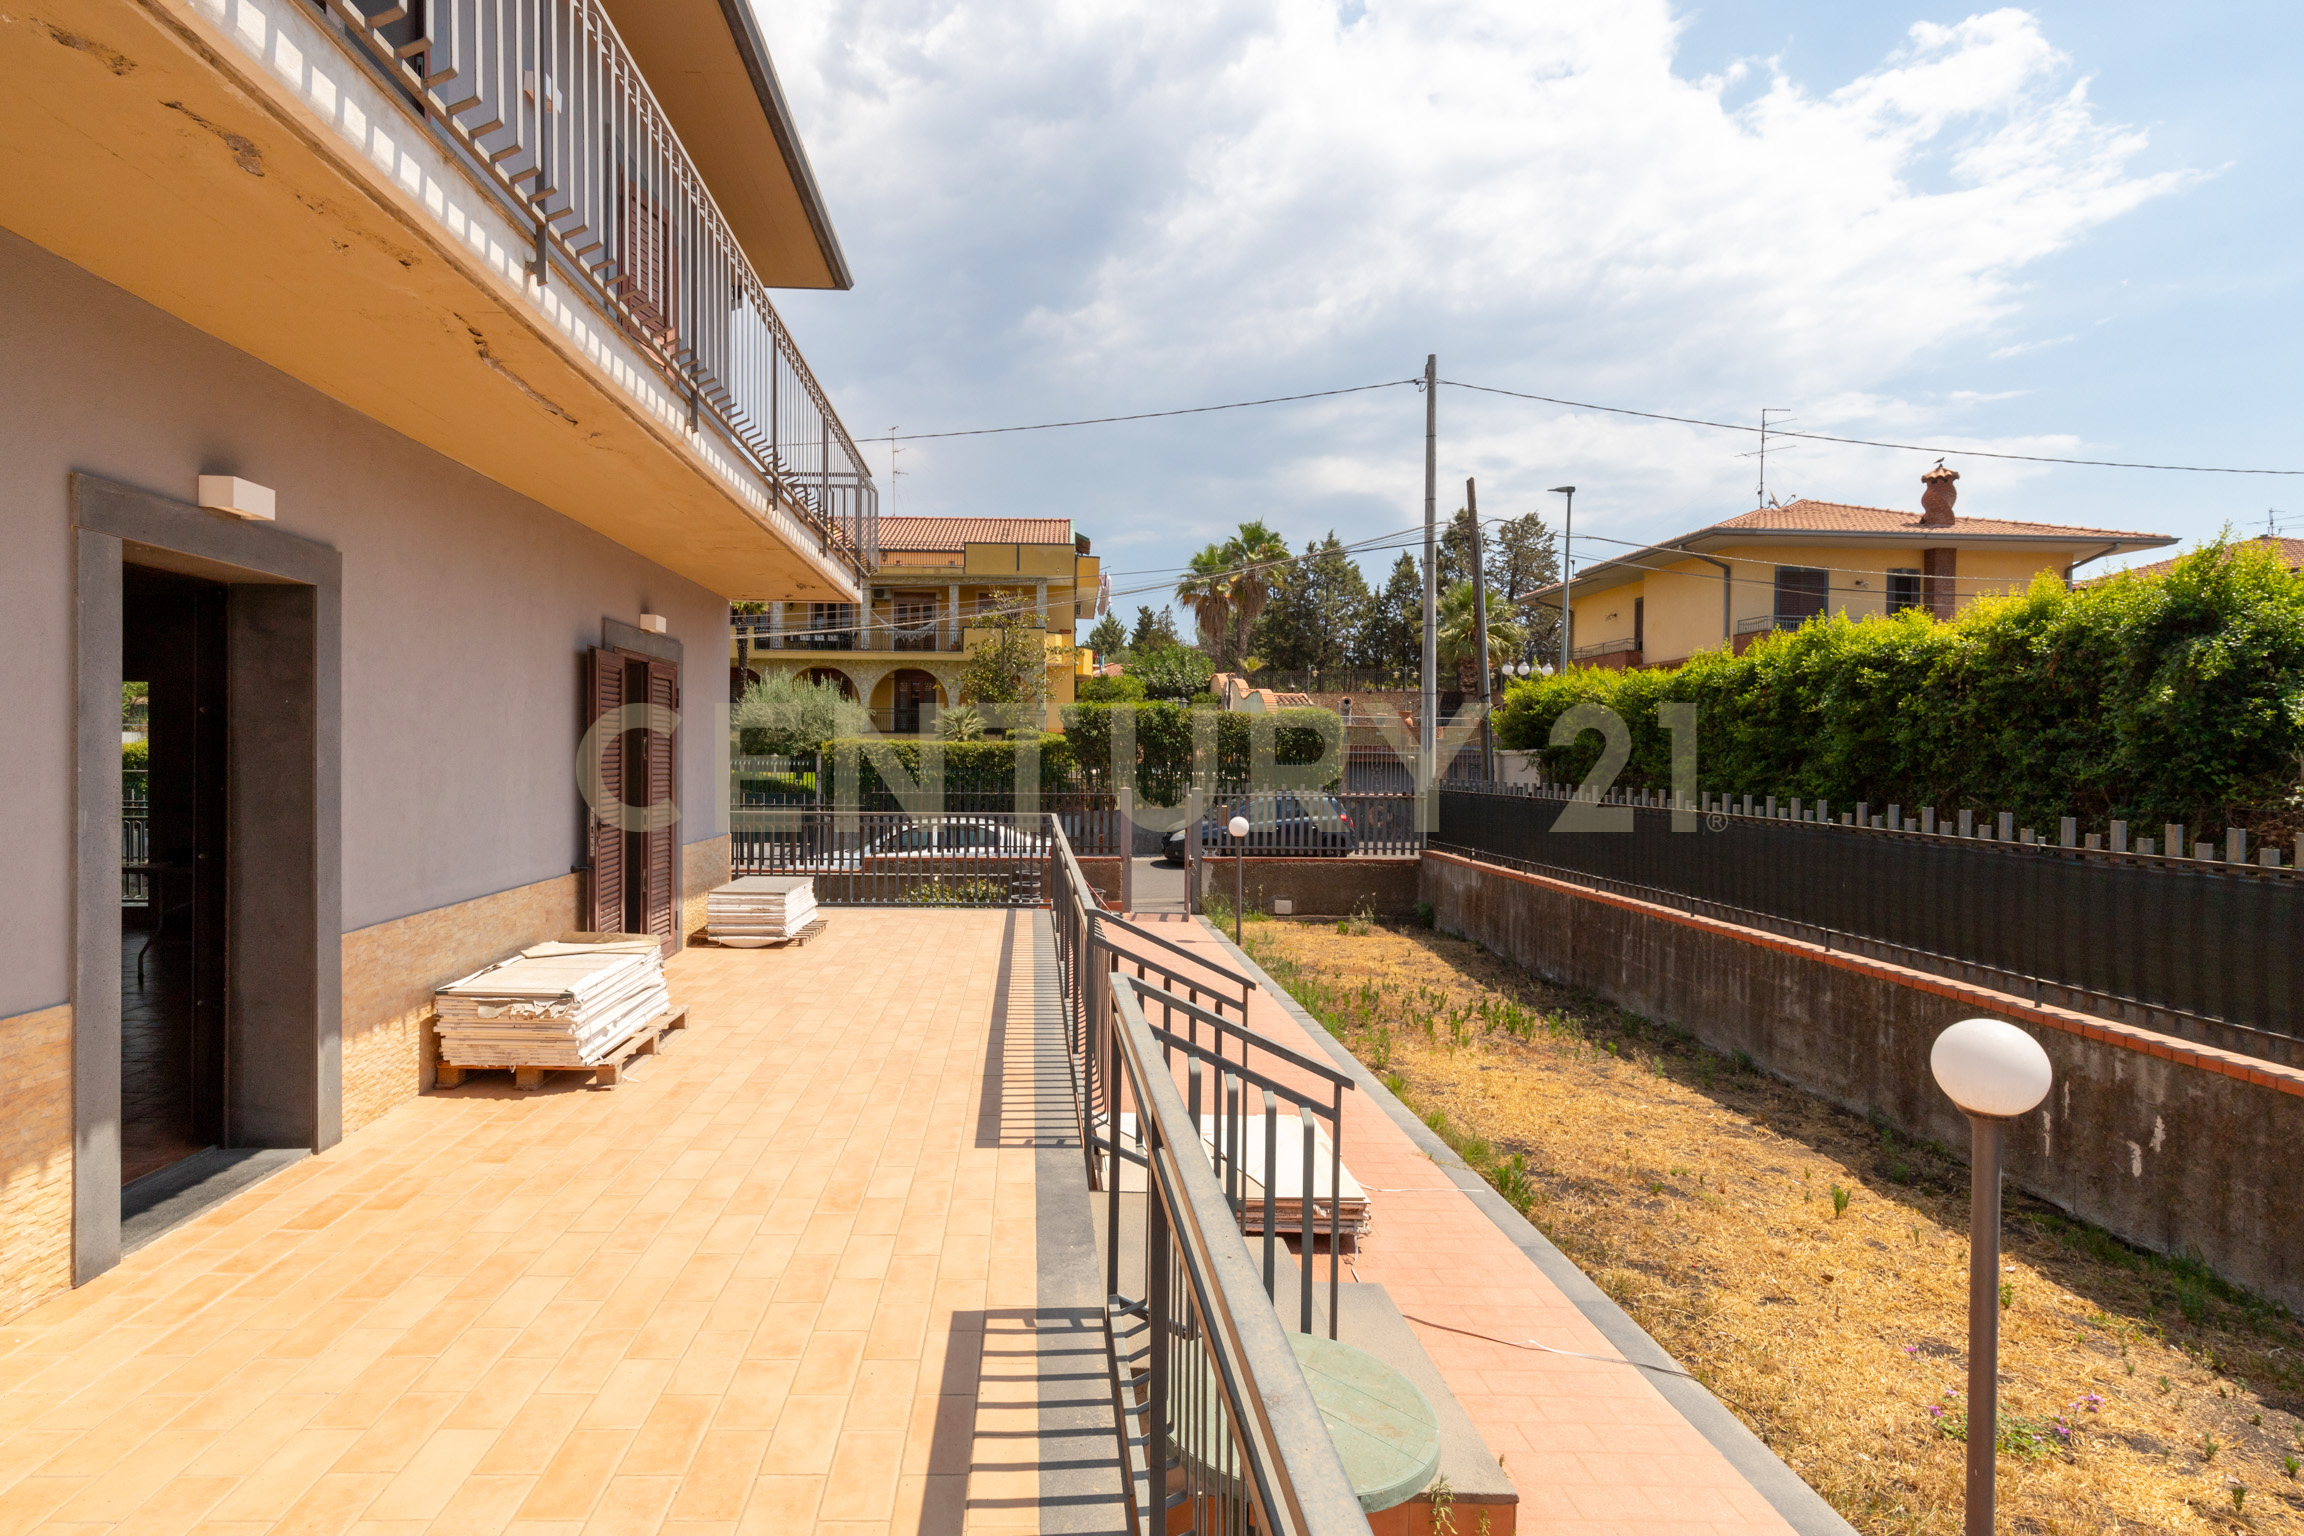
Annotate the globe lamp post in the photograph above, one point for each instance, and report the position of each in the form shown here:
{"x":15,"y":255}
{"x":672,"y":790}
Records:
{"x":1239,"y":830}
{"x":1994,"y":1072}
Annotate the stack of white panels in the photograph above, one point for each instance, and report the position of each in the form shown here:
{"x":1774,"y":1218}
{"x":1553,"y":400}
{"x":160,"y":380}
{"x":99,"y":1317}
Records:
{"x":759,"y":909}
{"x":554,"y":1005}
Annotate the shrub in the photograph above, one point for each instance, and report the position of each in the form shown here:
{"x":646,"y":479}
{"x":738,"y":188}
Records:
{"x":135,"y":756}
{"x":970,"y":767}
{"x":960,"y":724}
{"x":1111,"y":690}
{"x":1177,"y":672}
{"x":1299,"y":738}
{"x":785,"y":715}
{"x":2168,"y":698}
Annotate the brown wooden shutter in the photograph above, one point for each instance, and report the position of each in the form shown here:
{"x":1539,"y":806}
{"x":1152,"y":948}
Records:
{"x":603,"y":696}
{"x":662,"y":843}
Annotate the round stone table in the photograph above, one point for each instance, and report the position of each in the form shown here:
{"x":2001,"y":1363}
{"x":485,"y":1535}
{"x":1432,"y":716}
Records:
{"x":1385,"y":1431}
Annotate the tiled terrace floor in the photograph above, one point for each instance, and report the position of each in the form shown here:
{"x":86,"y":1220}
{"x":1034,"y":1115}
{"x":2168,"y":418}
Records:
{"x":1591,"y":1447}
{"x":795,"y":1276}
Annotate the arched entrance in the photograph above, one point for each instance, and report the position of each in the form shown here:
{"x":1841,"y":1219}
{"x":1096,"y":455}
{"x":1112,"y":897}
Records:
{"x":832,"y":675}
{"x":909,"y":689}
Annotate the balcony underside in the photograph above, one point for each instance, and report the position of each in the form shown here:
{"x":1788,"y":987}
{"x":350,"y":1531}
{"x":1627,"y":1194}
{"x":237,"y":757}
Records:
{"x":231,"y":164}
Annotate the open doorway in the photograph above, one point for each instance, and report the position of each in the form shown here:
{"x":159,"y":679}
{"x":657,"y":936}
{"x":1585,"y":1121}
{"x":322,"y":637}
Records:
{"x":207,"y":949}
{"x":173,"y":909}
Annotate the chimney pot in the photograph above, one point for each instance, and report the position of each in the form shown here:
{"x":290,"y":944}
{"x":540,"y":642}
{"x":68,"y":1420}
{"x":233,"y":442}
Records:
{"x":1937,"y":496}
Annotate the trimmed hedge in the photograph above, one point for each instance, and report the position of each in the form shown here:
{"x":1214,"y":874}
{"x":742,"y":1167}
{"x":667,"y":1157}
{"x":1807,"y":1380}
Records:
{"x":1164,"y":743}
{"x":2143,"y":698}
{"x":970,"y":767}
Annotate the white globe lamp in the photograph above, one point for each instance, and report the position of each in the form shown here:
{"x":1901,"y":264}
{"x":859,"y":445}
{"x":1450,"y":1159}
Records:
{"x":1990,"y":1067}
{"x":1994,"y":1072}
{"x":1238,"y":827}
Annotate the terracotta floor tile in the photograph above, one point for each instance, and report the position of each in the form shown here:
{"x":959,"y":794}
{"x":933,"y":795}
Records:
{"x":781,"y":1504}
{"x":720,"y":1475}
{"x":422,"y":1488}
{"x":758,"y":1265}
{"x":577,"y":1474}
{"x":668,"y":1439}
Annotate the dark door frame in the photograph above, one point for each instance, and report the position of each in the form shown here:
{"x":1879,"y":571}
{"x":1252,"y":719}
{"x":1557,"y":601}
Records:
{"x":284,"y":972}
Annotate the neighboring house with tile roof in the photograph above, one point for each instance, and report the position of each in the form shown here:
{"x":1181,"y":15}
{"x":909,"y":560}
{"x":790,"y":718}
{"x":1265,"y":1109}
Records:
{"x":902,"y":652}
{"x":1778,"y":566}
{"x":2290,"y":551}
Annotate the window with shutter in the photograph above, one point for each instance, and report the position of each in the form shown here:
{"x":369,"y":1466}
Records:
{"x":633,"y":822}
{"x":661,"y":845}
{"x":604,"y":699}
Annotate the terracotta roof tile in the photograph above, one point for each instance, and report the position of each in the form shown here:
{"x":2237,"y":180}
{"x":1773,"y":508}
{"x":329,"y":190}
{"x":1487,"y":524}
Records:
{"x":2291,"y":552}
{"x":1805,"y":516}
{"x":952,"y":532}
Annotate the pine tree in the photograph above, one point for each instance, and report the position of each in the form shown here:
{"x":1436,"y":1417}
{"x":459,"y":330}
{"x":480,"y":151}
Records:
{"x":1319,"y":602}
{"x":1108,"y":638}
{"x":1455,"y":550}
{"x":1155,"y":630}
{"x":1391,"y":636}
{"x":1523,"y":555}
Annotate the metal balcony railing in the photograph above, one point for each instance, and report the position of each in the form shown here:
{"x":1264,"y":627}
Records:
{"x":541,"y":102}
{"x":1625,"y":646}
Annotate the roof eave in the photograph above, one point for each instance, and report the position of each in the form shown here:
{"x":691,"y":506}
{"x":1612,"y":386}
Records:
{"x":1632,"y":566}
{"x":744,"y":27}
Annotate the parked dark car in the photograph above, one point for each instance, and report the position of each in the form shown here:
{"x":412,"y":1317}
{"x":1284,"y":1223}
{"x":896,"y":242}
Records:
{"x":1298,"y":826}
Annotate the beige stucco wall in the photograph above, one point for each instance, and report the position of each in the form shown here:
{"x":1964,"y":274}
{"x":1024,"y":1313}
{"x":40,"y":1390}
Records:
{"x":392,"y":969}
{"x":35,"y":1158}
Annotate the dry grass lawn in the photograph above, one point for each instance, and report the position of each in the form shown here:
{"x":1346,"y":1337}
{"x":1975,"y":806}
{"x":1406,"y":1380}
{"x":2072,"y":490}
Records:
{"x":1811,"y":1268}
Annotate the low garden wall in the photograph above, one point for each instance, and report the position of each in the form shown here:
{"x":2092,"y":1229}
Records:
{"x":2170,"y":1145}
{"x":1318,"y":887}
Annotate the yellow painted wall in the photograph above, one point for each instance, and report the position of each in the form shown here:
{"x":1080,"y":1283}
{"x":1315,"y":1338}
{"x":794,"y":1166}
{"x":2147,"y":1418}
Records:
{"x":1682,"y":600}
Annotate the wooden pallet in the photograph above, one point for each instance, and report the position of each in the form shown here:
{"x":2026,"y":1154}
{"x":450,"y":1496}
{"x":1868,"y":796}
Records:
{"x":794,"y":942}
{"x":649,"y":1039}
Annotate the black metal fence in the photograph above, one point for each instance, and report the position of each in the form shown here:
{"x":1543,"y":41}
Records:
{"x":2209,"y":938}
{"x":896,"y":859}
{"x":1306,"y":825}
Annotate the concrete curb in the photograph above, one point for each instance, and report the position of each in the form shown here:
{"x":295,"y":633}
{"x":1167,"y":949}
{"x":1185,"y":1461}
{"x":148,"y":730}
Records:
{"x":1802,"y":1507}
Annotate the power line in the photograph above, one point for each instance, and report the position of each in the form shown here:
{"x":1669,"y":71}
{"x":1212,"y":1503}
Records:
{"x":1189,"y":410}
{"x":1864,"y":442}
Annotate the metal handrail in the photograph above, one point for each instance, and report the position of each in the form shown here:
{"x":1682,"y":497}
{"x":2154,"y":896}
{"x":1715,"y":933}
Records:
{"x":547,"y":108}
{"x":1211,"y":1411}
{"x":1256,"y":1447}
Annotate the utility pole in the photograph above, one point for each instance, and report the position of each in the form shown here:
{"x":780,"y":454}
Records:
{"x":1567,"y":577}
{"x":1427,"y":727}
{"x":1480,"y":631}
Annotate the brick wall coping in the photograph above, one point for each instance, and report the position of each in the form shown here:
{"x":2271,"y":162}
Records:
{"x":2125,"y":1036}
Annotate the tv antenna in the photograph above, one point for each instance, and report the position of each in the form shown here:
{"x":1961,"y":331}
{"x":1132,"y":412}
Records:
{"x":1767,"y":411}
{"x":894,"y":473}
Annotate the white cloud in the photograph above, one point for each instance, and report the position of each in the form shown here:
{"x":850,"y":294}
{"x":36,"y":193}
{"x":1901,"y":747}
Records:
{"x":1068,"y":207}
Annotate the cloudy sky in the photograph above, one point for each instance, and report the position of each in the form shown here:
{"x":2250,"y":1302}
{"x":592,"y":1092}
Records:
{"x":2069,"y":230}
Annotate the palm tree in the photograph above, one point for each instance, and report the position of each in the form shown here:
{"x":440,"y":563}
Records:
{"x":1206,"y":593}
{"x":1258,"y":558}
{"x":1457,"y":636}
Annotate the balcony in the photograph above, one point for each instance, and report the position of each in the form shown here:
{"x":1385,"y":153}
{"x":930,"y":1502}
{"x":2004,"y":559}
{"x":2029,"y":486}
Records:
{"x":879,"y":637}
{"x":475,"y":223}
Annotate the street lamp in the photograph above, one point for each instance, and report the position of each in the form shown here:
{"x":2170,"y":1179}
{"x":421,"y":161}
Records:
{"x":1238,"y":827}
{"x":1994,"y":1072}
{"x":1567,"y":574}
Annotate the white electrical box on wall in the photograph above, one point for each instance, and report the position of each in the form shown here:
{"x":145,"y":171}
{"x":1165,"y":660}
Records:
{"x":235,"y":497}
{"x":654,"y":623}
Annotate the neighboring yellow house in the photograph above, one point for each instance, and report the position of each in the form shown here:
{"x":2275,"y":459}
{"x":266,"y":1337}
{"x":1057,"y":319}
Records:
{"x":902,"y":653}
{"x":1781,"y":565}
